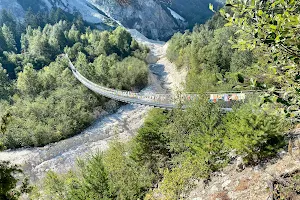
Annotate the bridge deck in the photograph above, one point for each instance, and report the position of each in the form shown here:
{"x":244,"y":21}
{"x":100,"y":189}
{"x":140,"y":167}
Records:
{"x":166,"y":101}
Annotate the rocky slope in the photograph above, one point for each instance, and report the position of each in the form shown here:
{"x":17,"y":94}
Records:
{"x":154,"y":18}
{"x":256,"y":182}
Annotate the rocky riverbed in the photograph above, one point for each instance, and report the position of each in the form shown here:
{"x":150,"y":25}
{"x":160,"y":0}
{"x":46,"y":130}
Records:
{"x":122,"y":125}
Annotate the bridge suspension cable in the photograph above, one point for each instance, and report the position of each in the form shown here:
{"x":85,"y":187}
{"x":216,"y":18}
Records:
{"x":167,"y":101}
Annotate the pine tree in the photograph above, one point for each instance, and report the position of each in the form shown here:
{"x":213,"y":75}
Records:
{"x":28,"y":83}
{"x":9,"y":38}
{"x":254,"y":133}
{"x":4,"y":84}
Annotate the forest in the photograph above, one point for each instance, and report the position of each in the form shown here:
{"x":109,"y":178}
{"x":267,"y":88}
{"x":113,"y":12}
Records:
{"x":231,"y":51}
{"x":41,"y":102}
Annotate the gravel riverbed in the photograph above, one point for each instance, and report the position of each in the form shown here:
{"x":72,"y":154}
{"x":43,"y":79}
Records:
{"x":123,"y":124}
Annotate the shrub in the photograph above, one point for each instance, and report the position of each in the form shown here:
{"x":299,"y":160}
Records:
{"x":254,"y":133}
{"x":150,"y":146}
{"x":127,"y":179}
{"x":9,"y":181}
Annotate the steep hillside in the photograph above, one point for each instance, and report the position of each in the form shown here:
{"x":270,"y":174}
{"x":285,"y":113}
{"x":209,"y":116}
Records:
{"x":194,"y":11}
{"x":155,"y":19}
{"x":13,"y":6}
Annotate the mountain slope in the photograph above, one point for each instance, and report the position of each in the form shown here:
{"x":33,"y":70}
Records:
{"x":153,"y":18}
{"x":13,"y":6}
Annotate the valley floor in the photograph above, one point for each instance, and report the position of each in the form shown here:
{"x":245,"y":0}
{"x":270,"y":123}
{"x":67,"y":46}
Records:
{"x":61,"y":156}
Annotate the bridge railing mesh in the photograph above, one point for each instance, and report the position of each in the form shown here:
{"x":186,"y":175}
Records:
{"x":224,"y":98}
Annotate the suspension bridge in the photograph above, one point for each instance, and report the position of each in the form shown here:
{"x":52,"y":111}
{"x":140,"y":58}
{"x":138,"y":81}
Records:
{"x":166,"y":101}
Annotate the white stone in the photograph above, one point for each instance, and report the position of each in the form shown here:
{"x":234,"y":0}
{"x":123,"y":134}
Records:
{"x":214,"y":189}
{"x":226,"y":183}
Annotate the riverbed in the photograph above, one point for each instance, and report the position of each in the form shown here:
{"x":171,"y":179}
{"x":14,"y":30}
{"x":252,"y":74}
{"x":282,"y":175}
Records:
{"x":121,"y":125}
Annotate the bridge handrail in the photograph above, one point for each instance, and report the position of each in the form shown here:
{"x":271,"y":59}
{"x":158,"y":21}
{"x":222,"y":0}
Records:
{"x":152,"y":99}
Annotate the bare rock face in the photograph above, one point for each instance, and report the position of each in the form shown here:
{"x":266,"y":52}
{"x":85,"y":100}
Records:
{"x":148,"y":17}
{"x":12,"y":6}
{"x":154,"y":19}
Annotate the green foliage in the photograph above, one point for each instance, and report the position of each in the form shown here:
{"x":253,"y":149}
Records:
{"x":5,"y":85}
{"x":254,"y":133}
{"x":206,"y":53}
{"x":275,"y":35}
{"x":90,"y":182}
{"x":9,"y":38}
{"x":38,"y":40}
{"x":150,"y":146}
{"x":28,"y":83}
{"x":172,"y":150}
{"x":133,"y":73}
{"x":117,"y":59}
{"x":128,"y":179}
{"x":8,"y":182}
{"x":121,"y":41}
{"x":198,"y":133}
{"x":177,"y":182}
{"x":49,"y":104}
{"x":113,"y":175}
{"x":96,"y":177}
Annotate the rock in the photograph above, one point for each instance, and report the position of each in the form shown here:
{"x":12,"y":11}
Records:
{"x":226,"y":183}
{"x":256,"y":168}
{"x":152,"y":18}
{"x":232,"y":154}
{"x":282,"y":153}
{"x":240,"y":166}
{"x":151,"y":59}
{"x":13,"y":7}
{"x":214,"y":189}
{"x":231,"y":195}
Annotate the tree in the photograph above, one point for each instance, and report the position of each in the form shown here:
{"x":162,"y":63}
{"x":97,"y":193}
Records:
{"x":3,"y":46}
{"x":90,"y":182}
{"x":57,"y":37}
{"x":197,"y":135}
{"x":151,"y":143}
{"x":8,"y":19}
{"x":95,"y":176}
{"x":4,"y":84}
{"x":121,"y":40}
{"x":8,"y":182}
{"x":31,"y":19}
{"x":127,"y":179}
{"x":254,"y":133}
{"x":73,"y":35}
{"x":9,"y":38}
{"x":272,"y":29}
{"x":28,"y":83}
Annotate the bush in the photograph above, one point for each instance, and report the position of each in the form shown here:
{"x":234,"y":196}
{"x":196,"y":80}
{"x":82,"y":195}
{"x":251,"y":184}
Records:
{"x":127,"y":179}
{"x":254,"y":133}
{"x":113,"y":175}
{"x":150,"y":145}
{"x":9,"y":181}
{"x":176,"y":182}
{"x":89,"y":182}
